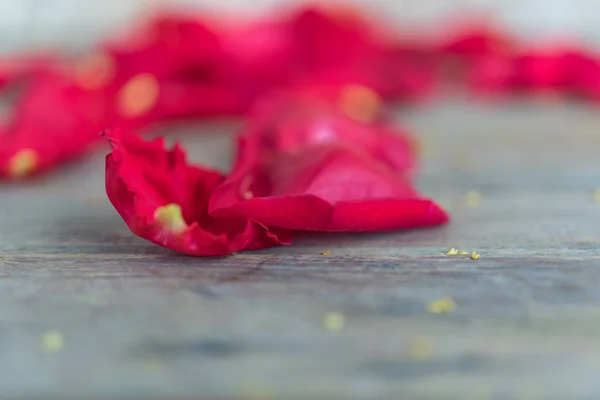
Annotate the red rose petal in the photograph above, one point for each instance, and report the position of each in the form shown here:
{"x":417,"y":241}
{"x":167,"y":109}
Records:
{"x":324,"y":172}
{"x":54,"y":121}
{"x":164,"y":200}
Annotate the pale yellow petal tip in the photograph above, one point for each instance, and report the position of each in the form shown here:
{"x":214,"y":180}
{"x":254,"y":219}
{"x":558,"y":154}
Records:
{"x":23,"y":163}
{"x":421,"y":349}
{"x":475,"y":256}
{"x":596,"y":196}
{"x":360,"y":103}
{"x":473,"y":198}
{"x":52,"y":342}
{"x":334,"y":322}
{"x":138,"y":95}
{"x":441,"y":306}
{"x":170,"y":217}
{"x":325,"y":253}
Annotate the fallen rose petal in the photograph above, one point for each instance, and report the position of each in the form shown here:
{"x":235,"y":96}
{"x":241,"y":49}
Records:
{"x":17,"y":66}
{"x":409,"y":73}
{"x":145,"y":101}
{"x":164,"y":200}
{"x":70,"y":123}
{"x":323,"y":172}
{"x":492,"y":76}
{"x":283,"y":122}
{"x":167,"y":45}
{"x":340,"y":48}
{"x":475,"y":38}
{"x":563,"y":68}
{"x":473,"y":48}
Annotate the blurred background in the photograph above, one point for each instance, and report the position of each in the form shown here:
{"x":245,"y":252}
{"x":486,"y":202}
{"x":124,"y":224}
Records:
{"x":30,"y":23}
{"x":86,"y":307}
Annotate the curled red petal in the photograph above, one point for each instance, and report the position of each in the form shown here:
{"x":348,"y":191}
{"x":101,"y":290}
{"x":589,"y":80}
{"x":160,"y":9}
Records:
{"x":283,"y":123}
{"x":164,"y":200}
{"x":323,"y":172}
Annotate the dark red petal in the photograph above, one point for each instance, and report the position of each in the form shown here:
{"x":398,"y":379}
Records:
{"x":143,"y":177}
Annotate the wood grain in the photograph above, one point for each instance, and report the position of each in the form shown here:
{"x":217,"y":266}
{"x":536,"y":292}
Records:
{"x":141,"y":322}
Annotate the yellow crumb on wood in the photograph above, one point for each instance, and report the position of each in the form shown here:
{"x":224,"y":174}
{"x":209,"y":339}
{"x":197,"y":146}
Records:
{"x":52,"y":342}
{"x":257,"y":391}
{"x":326,"y":253}
{"x":455,"y":252}
{"x":441,"y":306}
{"x":420,"y":349}
{"x":334,"y":322}
{"x":473,"y":198}
{"x":475,"y":256}
{"x":596,"y":195}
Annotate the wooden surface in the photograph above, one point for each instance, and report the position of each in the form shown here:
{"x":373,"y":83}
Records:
{"x":141,"y":322}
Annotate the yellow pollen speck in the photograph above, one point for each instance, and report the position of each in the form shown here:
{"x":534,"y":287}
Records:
{"x":596,"y":195}
{"x":170,"y":217}
{"x":52,"y":342}
{"x":441,"y":306}
{"x":138,"y":95}
{"x":334,"y":322}
{"x":473,"y":198}
{"x":326,"y":253}
{"x":420,"y":349}
{"x":452,"y":252}
{"x":475,"y":256}
{"x":361,"y":103}
{"x":463,"y":253}
{"x":22,"y":163}
{"x":95,"y":71}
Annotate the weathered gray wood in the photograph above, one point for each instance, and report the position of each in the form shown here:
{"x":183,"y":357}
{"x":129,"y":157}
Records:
{"x":140,"y":321}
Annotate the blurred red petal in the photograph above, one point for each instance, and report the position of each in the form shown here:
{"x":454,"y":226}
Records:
{"x":54,"y":121}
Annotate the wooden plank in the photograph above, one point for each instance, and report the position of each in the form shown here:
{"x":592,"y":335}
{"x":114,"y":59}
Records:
{"x":140,"y":321}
